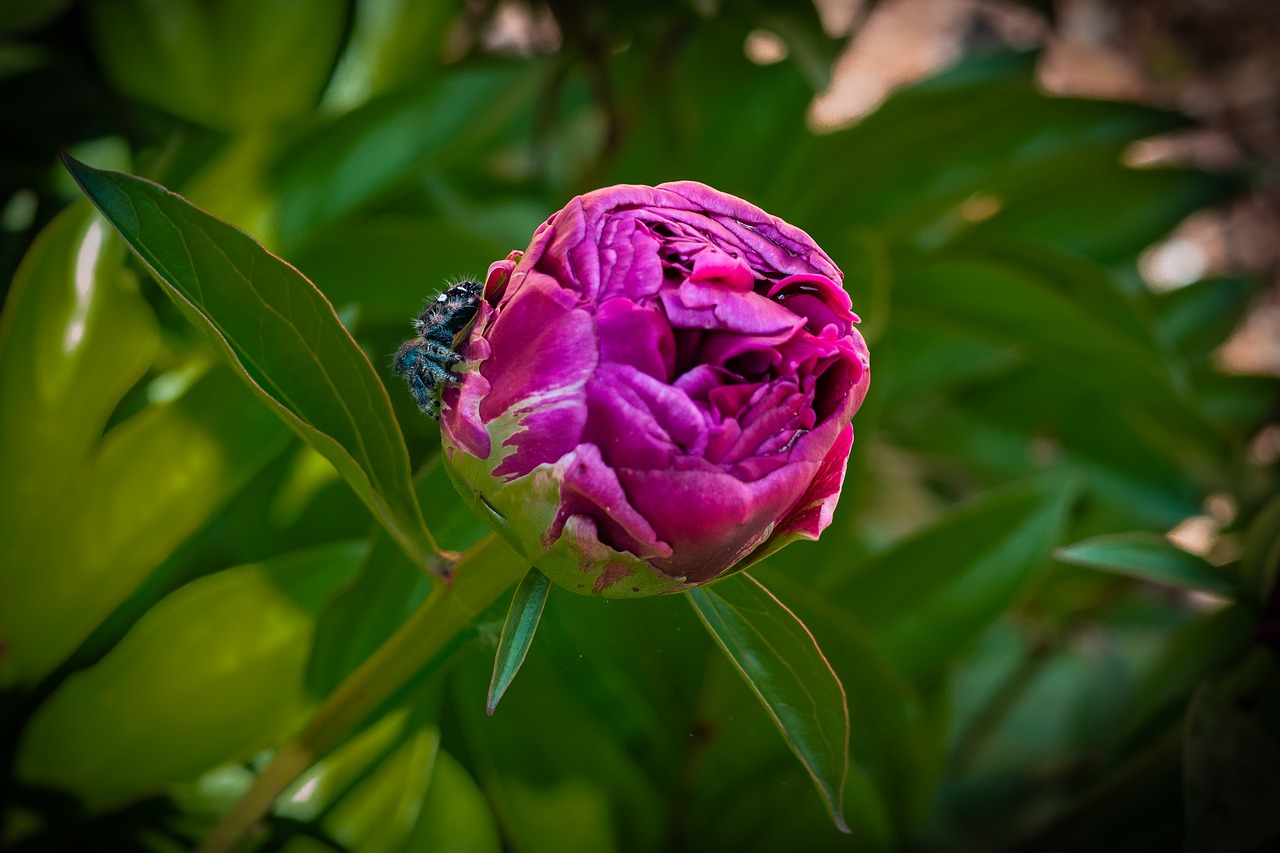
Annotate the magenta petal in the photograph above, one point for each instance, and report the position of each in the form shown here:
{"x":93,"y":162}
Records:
{"x":640,"y":422}
{"x":636,"y":336}
{"x":709,"y":306}
{"x":812,"y":514}
{"x":589,"y":488}
{"x":546,"y":432}
{"x":714,"y":265}
{"x":710,"y":518}
{"x":542,"y":345}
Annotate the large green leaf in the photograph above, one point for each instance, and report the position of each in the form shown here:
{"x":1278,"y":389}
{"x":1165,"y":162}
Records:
{"x":281,"y":333}
{"x":232,"y":65}
{"x":381,"y":811}
{"x":935,"y":592}
{"x":983,"y":127}
{"x":75,"y":335}
{"x":213,"y":673}
{"x":154,"y":479}
{"x":782,"y":663}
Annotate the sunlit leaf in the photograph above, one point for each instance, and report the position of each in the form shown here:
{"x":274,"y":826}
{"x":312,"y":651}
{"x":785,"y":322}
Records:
{"x":213,"y":673}
{"x":1149,"y":557}
{"x":782,"y":663}
{"x":75,"y":336}
{"x":281,"y":333}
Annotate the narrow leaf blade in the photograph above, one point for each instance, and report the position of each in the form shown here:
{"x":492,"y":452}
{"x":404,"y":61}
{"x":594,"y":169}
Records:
{"x":280,"y":333}
{"x":1148,"y":557}
{"x":784,"y":667}
{"x":517,"y":633}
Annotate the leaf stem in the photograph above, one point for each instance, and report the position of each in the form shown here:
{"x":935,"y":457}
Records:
{"x":483,"y":574}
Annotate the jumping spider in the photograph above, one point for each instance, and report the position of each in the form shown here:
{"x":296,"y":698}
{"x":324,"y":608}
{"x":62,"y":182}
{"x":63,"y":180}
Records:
{"x":425,"y":361}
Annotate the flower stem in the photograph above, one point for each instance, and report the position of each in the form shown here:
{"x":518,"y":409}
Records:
{"x":483,"y":574}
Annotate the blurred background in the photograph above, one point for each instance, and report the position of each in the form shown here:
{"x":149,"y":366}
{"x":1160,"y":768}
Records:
{"x":1050,"y":590}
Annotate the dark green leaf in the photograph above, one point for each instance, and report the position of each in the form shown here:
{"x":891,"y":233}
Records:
{"x":1260,"y":567}
{"x":934,"y":593}
{"x":211,"y":674}
{"x":887,"y":733}
{"x":574,"y":786}
{"x":281,"y":333}
{"x":388,"y":266}
{"x":517,"y":633}
{"x":1149,"y":557}
{"x":341,"y":165}
{"x":782,"y":663}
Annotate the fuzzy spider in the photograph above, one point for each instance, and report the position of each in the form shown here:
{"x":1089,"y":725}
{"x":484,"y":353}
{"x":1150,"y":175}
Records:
{"x":425,"y":361}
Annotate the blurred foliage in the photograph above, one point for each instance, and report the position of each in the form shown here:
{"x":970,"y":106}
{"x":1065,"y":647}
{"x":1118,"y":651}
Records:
{"x":1029,"y":663}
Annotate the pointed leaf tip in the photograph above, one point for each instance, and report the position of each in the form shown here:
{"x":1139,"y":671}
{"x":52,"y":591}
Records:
{"x":517,"y":634}
{"x":784,"y":667}
{"x":280,"y":334}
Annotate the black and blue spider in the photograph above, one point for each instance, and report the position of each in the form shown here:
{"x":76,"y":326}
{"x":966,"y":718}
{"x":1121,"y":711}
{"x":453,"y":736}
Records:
{"x":426,"y":361}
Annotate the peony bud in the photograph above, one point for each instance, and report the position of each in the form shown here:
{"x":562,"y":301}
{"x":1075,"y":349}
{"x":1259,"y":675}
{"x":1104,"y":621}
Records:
{"x":657,"y":391}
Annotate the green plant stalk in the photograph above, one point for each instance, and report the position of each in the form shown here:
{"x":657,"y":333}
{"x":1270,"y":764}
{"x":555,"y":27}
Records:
{"x":482,"y":575}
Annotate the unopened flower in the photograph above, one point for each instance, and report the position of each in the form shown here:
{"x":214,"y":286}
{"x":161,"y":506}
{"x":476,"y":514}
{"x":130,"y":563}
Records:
{"x":658,"y":390}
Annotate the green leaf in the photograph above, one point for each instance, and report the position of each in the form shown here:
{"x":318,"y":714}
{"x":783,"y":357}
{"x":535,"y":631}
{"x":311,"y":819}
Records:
{"x":341,"y":165}
{"x":74,"y":336}
{"x":1021,"y":304}
{"x":983,"y":127}
{"x":154,"y":480}
{"x":281,"y":334}
{"x":381,"y":812}
{"x":517,"y":633}
{"x":887,"y":732}
{"x":1148,"y":557}
{"x":782,"y":663}
{"x":575,"y":786}
{"x":935,"y":592}
{"x":388,"y":265}
{"x":327,"y":781}
{"x":388,"y":588}
{"x":212,"y":674}
{"x":455,"y":815}
{"x":231,"y":65}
